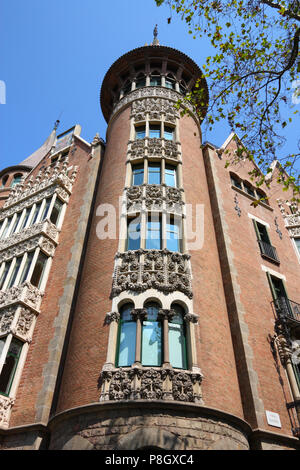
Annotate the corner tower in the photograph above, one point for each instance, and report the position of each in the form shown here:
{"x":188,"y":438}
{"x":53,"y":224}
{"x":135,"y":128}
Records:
{"x":144,"y":329}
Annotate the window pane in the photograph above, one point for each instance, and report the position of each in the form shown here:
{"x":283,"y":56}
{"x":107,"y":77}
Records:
{"x":140,"y":132}
{"x":4,"y":274}
{"x":127,"y":344}
{"x":155,"y":81}
{"x":14,"y":272}
{"x":16,"y":180}
{"x":134,"y":235}
{"x":2,"y":343}
{"x":10,"y":365}
{"x":172,"y":237}
{"x":153,"y":238}
{"x":170,"y":84}
{"x":140,"y":82}
{"x":5,"y":231}
{"x":46,"y":209}
{"x":38,"y":271}
{"x":177,"y":345}
{"x":170,"y":176}
{"x":154,"y":173}
{"x":24,"y":222}
{"x":15,"y":224}
{"x":138,"y":175}
{"x":55,"y":213}
{"x":168,"y":133}
{"x":36,"y":213}
{"x":26,"y":268}
{"x":235,"y":182}
{"x":152,"y":338}
{"x":249,"y":190}
{"x":154,"y":132}
{"x":297,"y":241}
{"x":263,"y":233}
{"x":127,"y":338}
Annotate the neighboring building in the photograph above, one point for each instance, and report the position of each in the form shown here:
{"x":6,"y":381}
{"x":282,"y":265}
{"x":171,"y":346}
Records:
{"x":145,"y":301}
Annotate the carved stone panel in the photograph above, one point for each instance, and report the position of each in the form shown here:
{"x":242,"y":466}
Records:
{"x":25,"y":294}
{"x":150,"y":383}
{"x":5,"y":409}
{"x":163,"y":270}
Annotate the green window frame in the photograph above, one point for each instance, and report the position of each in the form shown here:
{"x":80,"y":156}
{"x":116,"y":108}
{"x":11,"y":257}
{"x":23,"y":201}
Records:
{"x":10,"y":366}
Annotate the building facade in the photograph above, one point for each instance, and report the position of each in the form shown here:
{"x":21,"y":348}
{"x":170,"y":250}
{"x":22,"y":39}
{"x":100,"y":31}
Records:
{"x":149,"y":295}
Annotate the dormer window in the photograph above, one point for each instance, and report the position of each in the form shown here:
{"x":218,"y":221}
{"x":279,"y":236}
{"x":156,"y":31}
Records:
{"x":16,"y":179}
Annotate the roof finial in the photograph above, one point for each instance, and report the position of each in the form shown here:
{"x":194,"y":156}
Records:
{"x":155,"y":40}
{"x":56,"y":124}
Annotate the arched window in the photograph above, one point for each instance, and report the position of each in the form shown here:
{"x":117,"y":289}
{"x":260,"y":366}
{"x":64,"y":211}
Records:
{"x":16,"y":179}
{"x":127,"y":87}
{"x":127,"y":337}
{"x":170,"y":81}
{"x":152,"y":336}
{"x":155,"y":79}
{"x":140,"y":81}
{"x":177,"y":338}
{"x":4,"y":181}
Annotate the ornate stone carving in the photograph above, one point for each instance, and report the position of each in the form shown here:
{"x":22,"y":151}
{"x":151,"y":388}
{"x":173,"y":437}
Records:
{"x":292,"y":220}
{"x":112,"y":316}
{"x":163,"y":270}
{"x":6,"y":318}
{"x":24,"y":324}
{"x":191,"y":318}
{"x":155,"y":197}
{"x":29,"y":245}
{"x":154,"y":92}
{"x":284,"y":350}
{"x":137,"y":148}
{"x":5,"y":408}
{"x":149,"y":383}
{"x":138,"y":313}
{"x":44,"y":185}
{"x":155,"y":147}
{"x":25,"y":294}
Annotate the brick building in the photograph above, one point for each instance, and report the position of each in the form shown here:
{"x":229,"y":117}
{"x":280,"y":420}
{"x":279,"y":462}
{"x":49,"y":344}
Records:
{"x":145,"y":301}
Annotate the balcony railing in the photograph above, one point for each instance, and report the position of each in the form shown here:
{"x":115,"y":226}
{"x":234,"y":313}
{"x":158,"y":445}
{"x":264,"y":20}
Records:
{"x":268,"y":251}
{"x":286,"y":309}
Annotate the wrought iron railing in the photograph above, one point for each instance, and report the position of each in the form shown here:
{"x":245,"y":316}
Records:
{"x":268,"y":250}
{"x":286,"y":308}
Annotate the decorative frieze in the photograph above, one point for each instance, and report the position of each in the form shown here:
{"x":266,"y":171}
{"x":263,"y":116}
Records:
{"x":144,"y":383}
{"x":25,"y":294}
{"x":155,"y":197}
{"x":47,"y":182}
{"x":153,"y":92}
{"x":153,"y":148}
{"x":155,"y":109}
{"x":46,"y":245}
{"x":5,"y":410}
{"x":142,"y":269}
{"x":292,"y":220}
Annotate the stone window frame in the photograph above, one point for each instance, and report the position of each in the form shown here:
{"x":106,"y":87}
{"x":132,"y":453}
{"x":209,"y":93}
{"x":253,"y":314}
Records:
{"x":31,"y":209}
{"x":190,"y":319}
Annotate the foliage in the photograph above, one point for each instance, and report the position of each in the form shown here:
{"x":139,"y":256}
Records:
{"x":252,"y":76}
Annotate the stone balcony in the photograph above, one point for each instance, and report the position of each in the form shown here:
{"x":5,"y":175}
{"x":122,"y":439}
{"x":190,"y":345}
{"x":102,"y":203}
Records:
{"x":43,"y":234}
{"x":151,"y":383}
{"x":26,"y":294}
{"x":164,"y":270}
{"x":154,"y":197}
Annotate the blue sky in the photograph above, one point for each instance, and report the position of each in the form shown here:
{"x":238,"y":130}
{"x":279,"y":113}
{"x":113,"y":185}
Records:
{"x":54,"y":55}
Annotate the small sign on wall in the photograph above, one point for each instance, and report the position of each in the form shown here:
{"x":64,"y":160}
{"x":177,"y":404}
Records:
{"x":273,"y":419}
